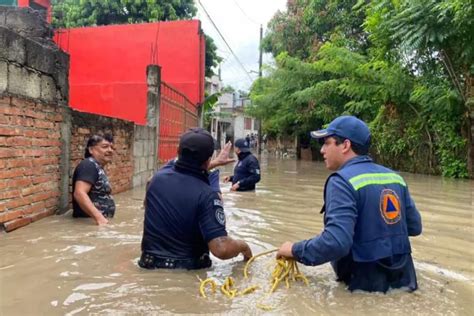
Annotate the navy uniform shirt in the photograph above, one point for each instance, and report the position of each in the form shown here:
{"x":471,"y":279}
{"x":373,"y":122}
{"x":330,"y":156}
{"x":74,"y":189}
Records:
{"x":213,"y":177}
{"x":182,"y":214}
{"x":246,"y":172}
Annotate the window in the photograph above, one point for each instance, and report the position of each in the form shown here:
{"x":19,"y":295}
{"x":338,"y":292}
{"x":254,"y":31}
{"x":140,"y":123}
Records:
{"x":248,"y":123}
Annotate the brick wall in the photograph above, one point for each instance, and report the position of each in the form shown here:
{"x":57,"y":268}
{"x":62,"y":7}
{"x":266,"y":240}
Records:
{"x":41,"y":139}
{"x":120,"y":171}
{"x":33,"y":95}
{"x":29,"y":160}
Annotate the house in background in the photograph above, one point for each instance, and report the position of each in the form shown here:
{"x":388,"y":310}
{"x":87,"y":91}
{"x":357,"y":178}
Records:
{"x":229,"y":120}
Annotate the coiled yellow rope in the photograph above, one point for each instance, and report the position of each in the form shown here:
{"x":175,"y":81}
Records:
{"x":285,"y":270}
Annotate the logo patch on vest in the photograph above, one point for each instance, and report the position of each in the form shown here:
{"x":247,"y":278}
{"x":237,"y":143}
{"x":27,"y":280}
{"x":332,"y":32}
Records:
{"x":390,"y":206}
{"x":218,"y":203}
{"x":220,"y":216}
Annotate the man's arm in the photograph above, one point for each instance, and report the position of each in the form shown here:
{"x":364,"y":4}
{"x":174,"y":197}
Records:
{"x":222,"y":158}
{"x":226,"y":248}
{"x":81,"y":196}
{"x":212,"y":225}
{"x":337,"y":237}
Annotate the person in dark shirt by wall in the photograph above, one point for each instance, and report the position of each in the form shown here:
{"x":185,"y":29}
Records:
{"x":247,"y":170}
{"x":184,"y":216}
{"x":91,"y":191}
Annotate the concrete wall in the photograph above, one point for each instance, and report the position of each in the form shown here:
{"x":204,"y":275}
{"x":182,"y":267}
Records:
{"x":144,"y":153}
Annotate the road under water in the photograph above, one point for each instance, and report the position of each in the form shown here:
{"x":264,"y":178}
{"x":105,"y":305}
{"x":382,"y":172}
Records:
{"x":61,"y":265}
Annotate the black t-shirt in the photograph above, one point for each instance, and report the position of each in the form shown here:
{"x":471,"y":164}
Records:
{"x":91,"y":172}
{"x":182,"y":215}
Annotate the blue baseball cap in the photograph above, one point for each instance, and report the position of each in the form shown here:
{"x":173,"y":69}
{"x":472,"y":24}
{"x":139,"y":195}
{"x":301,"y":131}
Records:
{"x":242,"y":144}
{"x":349,"y":127}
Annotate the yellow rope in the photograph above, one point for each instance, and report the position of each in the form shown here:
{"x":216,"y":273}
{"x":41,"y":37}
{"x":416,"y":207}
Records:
{"x":284,"y":270}
{"x":202,"y":287}
{"x":255,"y":257}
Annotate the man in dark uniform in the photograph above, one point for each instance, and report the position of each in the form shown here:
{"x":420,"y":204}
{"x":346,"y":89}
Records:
{"x":184,"y":217}
{"x":90,"y":186}
{"x":247,"y":170}
{"x":368,"y":216}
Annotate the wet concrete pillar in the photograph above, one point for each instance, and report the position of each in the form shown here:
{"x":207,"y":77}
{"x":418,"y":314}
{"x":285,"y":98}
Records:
{"x":153,"y":79}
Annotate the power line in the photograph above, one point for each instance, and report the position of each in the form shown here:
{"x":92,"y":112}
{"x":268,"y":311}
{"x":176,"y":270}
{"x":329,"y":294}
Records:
{"x":228,"y":46}
{"x":245,"y":14}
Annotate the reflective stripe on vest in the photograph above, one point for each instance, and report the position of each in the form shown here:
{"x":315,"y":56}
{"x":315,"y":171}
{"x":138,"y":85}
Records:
{"x":365,"y":179}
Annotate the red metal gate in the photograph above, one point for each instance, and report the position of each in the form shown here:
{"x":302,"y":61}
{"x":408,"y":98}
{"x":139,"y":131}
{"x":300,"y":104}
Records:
{"x":177,"y":114}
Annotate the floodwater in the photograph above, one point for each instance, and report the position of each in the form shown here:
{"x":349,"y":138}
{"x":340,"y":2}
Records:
{"x":65,"y":266}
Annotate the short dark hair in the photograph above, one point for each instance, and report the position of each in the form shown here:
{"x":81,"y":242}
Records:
{"x":356,"y":148}
{"x":94,"y":140}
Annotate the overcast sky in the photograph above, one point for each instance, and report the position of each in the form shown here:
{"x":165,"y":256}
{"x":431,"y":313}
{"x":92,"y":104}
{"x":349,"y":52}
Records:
{"x":239,"y":23}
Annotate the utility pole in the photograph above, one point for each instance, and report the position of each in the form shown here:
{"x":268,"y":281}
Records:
{"x":260,"y":76}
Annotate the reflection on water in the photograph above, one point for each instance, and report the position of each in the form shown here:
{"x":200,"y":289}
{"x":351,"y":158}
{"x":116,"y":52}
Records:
{"x":65,"y":266}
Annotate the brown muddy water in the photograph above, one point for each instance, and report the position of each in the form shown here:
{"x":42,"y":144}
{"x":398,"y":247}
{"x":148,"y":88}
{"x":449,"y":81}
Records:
{"x":65,"y":266}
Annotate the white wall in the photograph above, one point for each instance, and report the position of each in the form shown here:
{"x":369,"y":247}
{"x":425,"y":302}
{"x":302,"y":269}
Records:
{"x":239,"y":131}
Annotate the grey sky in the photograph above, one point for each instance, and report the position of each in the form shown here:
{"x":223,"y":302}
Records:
{"x":239,"y":22}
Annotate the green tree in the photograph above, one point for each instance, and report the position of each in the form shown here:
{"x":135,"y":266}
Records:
{"x":76,"y":13}
{"x":307,"y":24}
{"x":375,"y":60}
{"x":435,"y":38}
{"x":212,"y":59}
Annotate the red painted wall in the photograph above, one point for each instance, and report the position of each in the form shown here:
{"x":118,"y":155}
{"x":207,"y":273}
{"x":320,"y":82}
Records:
{"x":44,"y":3}
{"x":108,"y":64}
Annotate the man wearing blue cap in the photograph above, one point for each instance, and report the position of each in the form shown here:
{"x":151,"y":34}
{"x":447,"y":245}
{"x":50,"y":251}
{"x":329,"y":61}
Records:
{"x":368,"y":216}
{"x":184,"y":216}
{"x":247,"y":170}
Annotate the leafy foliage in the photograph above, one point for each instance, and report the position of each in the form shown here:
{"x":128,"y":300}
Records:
{"x":403,"y":66}
{"x":74,"y":13}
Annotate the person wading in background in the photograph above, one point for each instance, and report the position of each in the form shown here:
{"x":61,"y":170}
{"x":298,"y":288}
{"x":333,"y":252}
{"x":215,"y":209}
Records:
{"x":247,"y":171}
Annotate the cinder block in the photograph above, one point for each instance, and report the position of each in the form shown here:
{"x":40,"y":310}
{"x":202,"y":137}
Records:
{"x":39,"y":57}
{"x":136,"y":148}
{"x":137,"y":180}
{"x":3,"y":76}
{"x":61,"y":74}
{"x":150,"y":163}
{"x":48,"y":89}
{"x":136,"y":166}
{"x":23,"y":82}
{"x":143,"y":164}
{"x":12,"y":46}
